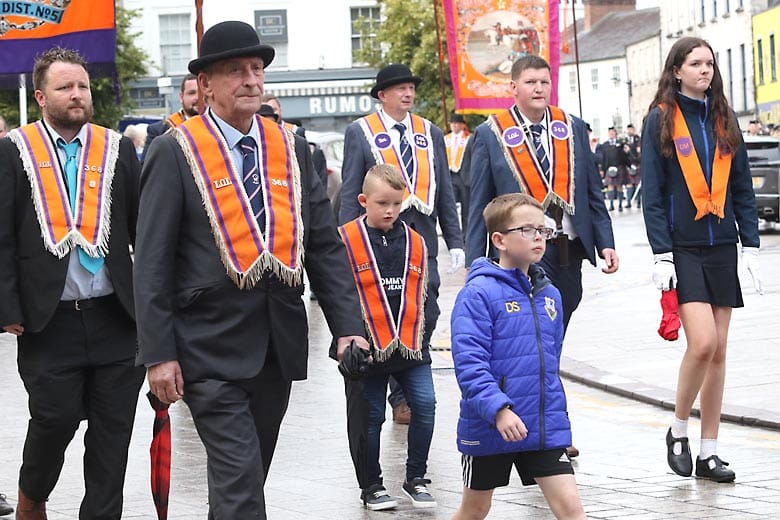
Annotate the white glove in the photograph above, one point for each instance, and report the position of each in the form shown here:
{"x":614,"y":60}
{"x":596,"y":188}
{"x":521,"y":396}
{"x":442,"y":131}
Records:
{"x":664,"y":275}
{"x":458,"y":258}
{"x":750,"y":261}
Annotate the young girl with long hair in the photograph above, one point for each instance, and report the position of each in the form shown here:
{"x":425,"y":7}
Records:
{"x":698,"y":203}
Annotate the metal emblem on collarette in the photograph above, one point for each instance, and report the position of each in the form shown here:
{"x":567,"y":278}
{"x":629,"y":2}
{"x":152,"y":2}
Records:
{"x":34,"y":14}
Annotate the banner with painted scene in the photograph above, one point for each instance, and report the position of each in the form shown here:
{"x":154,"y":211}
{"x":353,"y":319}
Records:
{"x":484,"y":39}
{"x":29,"y":27}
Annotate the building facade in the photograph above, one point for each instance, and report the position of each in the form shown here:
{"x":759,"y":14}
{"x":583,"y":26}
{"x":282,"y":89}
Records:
{"x":766,"y":55}
{"x":315,"y":72}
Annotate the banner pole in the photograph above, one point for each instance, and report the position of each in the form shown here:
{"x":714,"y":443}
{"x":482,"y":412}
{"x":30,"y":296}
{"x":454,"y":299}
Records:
{"x":441,"y":66}
{"x":22,"y":99}
{"x":576,"y":56}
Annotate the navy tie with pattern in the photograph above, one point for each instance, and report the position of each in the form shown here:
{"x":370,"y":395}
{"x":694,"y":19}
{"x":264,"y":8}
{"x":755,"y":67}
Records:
{"x":406,"y":149}
{"x":541,"y":154}
{"x":251,"y":177}
{"x":71,"y":177}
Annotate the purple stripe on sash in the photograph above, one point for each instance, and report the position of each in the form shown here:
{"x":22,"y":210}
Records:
{"x":47,"y":143}
{"x":417,"y":292}
{"x":207,"y":181}
{"x":389,"y":318}
{"x":236,"y":181}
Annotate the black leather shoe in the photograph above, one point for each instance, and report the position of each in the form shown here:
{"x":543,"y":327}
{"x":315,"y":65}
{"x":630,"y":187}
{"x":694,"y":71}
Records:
{"x":714,"y":469}
{"x":681,"y":464}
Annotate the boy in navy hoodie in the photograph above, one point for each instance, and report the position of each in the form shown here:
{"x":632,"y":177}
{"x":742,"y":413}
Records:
{"x":507,"y":334}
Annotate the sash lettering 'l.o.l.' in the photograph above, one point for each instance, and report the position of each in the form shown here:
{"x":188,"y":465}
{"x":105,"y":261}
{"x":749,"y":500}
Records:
{"x":421,"y":187}
{"x":88,"y":225}
{"x":707,"y":200}
{"x":386,"y":334}
{"x":521,"y":157}
{"x":245,"y":252}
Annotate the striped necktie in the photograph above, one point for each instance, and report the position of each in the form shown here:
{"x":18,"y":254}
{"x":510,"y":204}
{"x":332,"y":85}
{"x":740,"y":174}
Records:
{"x":71,"y":149}
{"x":251,"y":177}
{"x":541,"y":154}
{"x":406,"y":150}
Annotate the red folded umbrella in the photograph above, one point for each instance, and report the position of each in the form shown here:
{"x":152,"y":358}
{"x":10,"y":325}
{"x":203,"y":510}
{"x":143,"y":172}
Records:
{"x":670,"y":320}
{"x":160,"y":454}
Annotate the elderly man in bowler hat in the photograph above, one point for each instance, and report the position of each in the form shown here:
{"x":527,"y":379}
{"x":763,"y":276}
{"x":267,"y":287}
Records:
{"x":394,"y":135}
{"x":229,"y":203}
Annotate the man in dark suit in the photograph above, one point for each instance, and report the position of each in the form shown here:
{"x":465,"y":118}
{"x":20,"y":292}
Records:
{"x":615,"y":163}
{"x":219,"y":266}
{"x":67,"y":220}
{"x":538,"y":149}
{"x":188,"y":97}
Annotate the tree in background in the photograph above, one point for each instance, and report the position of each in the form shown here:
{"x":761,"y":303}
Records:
{"x":130,"y":65}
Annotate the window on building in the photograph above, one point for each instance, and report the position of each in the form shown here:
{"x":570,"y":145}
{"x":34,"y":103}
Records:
{"x":271,"y":27}
{"x":772,"y":57}
{"x":365,"y":20}
{"x":594,"y":79}
{"x":714,"y":8}
{"x":175,"y":43}
{"x":616,"y":73}
{"x":572,"y":81}
{"x":744,"y":76}
{"x":728,"y":6}
{"x":702,"y":11}
{"x":760,"y":60}
{"x":730,"y":70}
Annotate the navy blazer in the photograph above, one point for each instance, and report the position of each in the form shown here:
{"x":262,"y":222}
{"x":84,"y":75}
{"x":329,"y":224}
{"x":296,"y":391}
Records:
{"x":358,"y":158}
{"x":491,"y":176}
{"x":187,"y":307}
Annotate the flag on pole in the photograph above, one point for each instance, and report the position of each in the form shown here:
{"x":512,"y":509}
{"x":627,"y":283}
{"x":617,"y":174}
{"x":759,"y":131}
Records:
{"x":484,"y":39}
{"x":29,"y":27}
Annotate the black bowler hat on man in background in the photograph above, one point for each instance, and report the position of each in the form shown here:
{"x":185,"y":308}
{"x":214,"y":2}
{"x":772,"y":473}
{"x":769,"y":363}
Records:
{"x":393,"y":74}
{"x":457,"y":118}
{"x":232,"y":39}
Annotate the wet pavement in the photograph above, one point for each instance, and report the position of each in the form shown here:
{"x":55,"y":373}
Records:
{"x":621,"y":472}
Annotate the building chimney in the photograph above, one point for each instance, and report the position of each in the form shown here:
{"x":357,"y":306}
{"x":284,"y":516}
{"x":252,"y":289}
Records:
{"x":595,"y":10}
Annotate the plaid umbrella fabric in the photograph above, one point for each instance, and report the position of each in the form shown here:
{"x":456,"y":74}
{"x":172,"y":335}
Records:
{"x":160,"y":454}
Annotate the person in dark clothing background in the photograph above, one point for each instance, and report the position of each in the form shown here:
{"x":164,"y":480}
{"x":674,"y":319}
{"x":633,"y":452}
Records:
{"x":614,"y":168}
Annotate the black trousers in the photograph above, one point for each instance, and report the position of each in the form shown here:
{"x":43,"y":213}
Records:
{"x":462,"y":194}
{"x":238,"y":423}
{"x":81,"y":366}
{"x":568,"y":279}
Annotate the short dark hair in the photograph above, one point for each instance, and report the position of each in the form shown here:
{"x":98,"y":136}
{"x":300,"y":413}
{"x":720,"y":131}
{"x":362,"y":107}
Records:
{"x":187,"y":78}
{"x":44,"y":60}
{"x":498,"y":212}
{"x":528,"y":62}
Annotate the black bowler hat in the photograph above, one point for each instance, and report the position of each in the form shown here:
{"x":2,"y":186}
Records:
{"x":393,"y":74}
{"x":231,"y":39}
{"x":457,"y":118}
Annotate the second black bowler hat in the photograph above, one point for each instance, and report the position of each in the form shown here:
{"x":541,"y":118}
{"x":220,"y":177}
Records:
{"x":393,"y":74}
{"x":231,"y":39}
{"x":457,"y":118}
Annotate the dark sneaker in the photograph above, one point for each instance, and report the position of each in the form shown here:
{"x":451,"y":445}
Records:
{"x":418,"y":492}
{"x":5,"y":508}
{"x":376,"y":498}
{"x":680,"y":464}
{"x":714,"y":469}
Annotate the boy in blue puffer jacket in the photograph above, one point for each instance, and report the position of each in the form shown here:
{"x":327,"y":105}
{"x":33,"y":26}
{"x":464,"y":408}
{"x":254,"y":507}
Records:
{"x":507,"y":334}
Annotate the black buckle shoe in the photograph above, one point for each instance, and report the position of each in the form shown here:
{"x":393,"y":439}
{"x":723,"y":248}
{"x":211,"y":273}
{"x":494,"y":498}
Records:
{"x":714,"y":469}
{"x":681,"y":464}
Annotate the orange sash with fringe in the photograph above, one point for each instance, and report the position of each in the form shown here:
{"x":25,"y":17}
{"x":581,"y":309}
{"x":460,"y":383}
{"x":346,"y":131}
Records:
{"x":175,"y":119}
{"x":707,"y":200}
{"x":421,"y":187}
{"x":516,"y":142}
{"x":456,"y":145}
{"x":246,"y":252}
{"x":386,"y":334}
{"x":88,"y":225}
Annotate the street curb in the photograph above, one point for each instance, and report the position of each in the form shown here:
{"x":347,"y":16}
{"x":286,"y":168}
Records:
{"x":589,"y":375}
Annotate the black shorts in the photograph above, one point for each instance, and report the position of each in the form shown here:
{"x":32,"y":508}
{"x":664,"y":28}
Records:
{"x":492,"y":471}
{"x":708,"y":274}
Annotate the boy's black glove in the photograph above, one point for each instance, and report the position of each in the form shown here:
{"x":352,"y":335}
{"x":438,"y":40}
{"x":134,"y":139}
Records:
{"x":354,"y":362}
